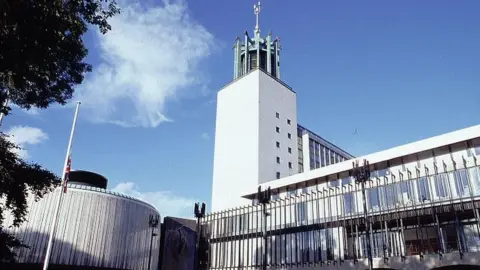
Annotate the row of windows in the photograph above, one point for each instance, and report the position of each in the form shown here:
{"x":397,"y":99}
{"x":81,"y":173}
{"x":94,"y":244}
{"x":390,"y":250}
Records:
{"x":278,"y":146}
{"x":289,"y":163}
{"x":289,"y":135}
{"x":277,"y":143}
{"x":321,"y":156}
{"x":278,"y":116}
{"x":462,"y":183}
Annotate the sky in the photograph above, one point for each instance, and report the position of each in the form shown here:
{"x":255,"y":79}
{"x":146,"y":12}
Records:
{"x":395,"y":71}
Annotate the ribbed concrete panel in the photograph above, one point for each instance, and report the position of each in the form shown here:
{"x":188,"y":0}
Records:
{"x":96,"y":228}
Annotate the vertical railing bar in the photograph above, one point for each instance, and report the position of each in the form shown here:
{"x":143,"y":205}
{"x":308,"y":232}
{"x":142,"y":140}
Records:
{"x":311,"y":232}
{"x":257,"y":249}
{"x":397,"y":210}
{"x":228,"y":249}
{"x":353,"y":204}
{"x":295,"y":224}
{"x":239,"y":237}
{"x":249,"y":220}
{"x":387,"y":244}
{"x":325,"y":224}
{"x":270,"y":233}
{"x":283,"y":226}
{"x":343,"y":214}
{"x":316,"y":222}
{"x":337,"y":204}
{"x":290,"y":225}
{"x":216,"y":229}
{"x":302,"y":227}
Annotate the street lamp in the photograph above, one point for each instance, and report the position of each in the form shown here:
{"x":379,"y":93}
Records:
{"x":362,"y":175}
{"x":153,"y":221}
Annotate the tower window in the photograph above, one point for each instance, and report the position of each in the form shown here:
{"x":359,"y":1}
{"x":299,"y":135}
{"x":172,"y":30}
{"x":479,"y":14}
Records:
{"x":278,"y":160}
{"x":288,"y":121}
{"x":289,"y":135}
{"x":278,"y":115}
{"x":289,"y":150}
{"x":278,"y":130}
{"x":278,"y":175}
{"x":278,"y":144}
{"x":289,"y":165}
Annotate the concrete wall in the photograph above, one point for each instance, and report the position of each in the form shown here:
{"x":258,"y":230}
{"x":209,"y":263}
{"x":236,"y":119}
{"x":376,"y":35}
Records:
{"x":235,"y":162}
{"x":245,"y":137}
{"x":275,"y":98}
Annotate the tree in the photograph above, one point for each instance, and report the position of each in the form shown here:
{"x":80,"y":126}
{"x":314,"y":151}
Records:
{"x":41,"y":61}
{"x":17,"y":179}
{"x":42,"y":50}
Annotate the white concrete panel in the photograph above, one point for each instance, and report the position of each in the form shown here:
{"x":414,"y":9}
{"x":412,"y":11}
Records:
{"x":235,"y":165}
{"x":246,"y":137}
{"x":275,"y":98}
{"x":306,"y":152}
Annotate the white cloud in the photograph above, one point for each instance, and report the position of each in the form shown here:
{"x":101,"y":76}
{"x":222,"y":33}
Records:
{"x":167,"y":203}
{"x":149,"y":56}
{"x":34,"y":111}
{"x":23,"y":136}
{"x":205,"y":136}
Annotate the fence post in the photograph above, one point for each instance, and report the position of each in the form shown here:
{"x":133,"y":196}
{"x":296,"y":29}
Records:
{"x":264,"y":198}
{"x":199,"y":214}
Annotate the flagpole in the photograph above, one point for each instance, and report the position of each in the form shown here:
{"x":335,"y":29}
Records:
{"x":5,"y":104}
{"x":53,"y":224}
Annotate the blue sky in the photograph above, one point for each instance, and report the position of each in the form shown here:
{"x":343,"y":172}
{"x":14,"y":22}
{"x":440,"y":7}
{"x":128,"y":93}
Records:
{"x":398,"y":71}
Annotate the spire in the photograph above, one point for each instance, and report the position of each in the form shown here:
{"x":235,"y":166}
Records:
{"x":256,"y":52}
{"x":256,"y":11}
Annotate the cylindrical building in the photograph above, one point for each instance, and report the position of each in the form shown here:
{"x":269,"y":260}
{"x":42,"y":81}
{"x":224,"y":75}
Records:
{"x":96,"y":227}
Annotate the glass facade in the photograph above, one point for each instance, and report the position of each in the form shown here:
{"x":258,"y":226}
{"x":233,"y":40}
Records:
{"x":322,"y":153}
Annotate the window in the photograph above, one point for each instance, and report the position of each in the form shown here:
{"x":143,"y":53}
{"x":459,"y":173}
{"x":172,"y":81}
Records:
{"x":288,"y":121}
{"x":278,"y":175}
{"x":278,"y":144}
{"x":278,"y":115}
{"x":327,"y":156}
{"x":289,"y":165}
{"x":278,"y":130}
{"x":289,"y":135}
{"x":289,"y":150}
{"x":349,"y":203}
{"x":477,"y":150}
{"x":278,"y":160}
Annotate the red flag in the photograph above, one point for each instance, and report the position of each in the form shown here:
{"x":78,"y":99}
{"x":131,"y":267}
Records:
{"x":67,"y":173}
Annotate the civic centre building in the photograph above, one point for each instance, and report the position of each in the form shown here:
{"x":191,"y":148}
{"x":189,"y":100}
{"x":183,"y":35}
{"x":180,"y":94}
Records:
{"x":418,"y":209}
{"x":97,"y":229}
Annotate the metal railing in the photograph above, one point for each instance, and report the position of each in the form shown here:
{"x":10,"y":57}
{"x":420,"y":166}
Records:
{"x":325,"y":226}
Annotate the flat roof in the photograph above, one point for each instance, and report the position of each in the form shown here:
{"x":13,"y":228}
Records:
{"x":382,"y":156}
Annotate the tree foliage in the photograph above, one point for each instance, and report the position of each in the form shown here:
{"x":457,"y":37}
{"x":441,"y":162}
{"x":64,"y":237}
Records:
{"x":41,"y":61}
{"x":41,"y":48}
{"x":18,"y":179}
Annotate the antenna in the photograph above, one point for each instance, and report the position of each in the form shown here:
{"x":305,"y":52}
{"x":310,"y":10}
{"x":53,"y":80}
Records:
{"x":256,"y":11}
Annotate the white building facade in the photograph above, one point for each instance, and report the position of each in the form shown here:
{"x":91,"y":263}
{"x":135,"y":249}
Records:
{"x":422,"y":199}
{"x":257,"y":138}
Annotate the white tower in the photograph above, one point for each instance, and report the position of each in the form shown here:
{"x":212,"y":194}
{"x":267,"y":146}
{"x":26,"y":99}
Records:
{"x":256,"y":125}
